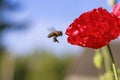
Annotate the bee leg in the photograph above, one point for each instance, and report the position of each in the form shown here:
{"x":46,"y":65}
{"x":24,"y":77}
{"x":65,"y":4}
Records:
{"x":55,"y":39}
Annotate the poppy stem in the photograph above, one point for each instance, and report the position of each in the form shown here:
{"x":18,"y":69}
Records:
{"x":113,"y":63}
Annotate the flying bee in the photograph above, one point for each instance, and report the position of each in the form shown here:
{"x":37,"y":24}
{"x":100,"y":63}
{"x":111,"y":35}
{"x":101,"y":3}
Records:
{"x":54,"y":33}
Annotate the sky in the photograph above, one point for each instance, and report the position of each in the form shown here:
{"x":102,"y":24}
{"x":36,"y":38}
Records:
{"x":41,"y":15}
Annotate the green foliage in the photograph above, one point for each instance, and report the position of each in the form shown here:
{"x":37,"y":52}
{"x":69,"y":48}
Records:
{"x":20,"y":69}
{"x":107,"y":76}
{"x":43,"y":66}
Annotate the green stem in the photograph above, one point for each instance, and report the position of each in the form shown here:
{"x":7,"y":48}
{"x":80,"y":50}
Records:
{"x":113,"y":63}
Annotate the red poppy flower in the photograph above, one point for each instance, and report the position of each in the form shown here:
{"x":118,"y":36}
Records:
{"x":93,"y":29}
{"x":116,"y":10}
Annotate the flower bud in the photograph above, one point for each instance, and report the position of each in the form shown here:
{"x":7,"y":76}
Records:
{"x":98,"y":59}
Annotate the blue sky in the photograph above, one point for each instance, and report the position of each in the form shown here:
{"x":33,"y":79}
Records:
{"x":43,"y":14}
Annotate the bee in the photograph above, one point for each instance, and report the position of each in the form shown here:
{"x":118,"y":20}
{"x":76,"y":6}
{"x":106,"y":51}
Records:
{"x":54,"y":33}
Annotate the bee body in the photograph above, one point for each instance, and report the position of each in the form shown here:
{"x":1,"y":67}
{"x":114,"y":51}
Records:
{"x":55,"y":34}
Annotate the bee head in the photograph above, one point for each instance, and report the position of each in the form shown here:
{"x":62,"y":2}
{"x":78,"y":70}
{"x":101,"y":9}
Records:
{"x":61,"y":33}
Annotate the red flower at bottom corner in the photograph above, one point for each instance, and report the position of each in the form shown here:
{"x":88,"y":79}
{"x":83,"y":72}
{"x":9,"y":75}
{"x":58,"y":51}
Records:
{"x":93,"y":29}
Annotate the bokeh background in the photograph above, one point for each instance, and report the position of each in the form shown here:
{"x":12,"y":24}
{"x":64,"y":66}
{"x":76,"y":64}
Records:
{"x":25,"y":51}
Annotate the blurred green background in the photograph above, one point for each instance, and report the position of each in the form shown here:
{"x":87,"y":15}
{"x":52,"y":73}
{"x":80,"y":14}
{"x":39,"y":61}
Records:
{"x":37,"y":66}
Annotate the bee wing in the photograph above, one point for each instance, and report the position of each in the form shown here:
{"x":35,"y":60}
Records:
{"x":51,"y":29}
